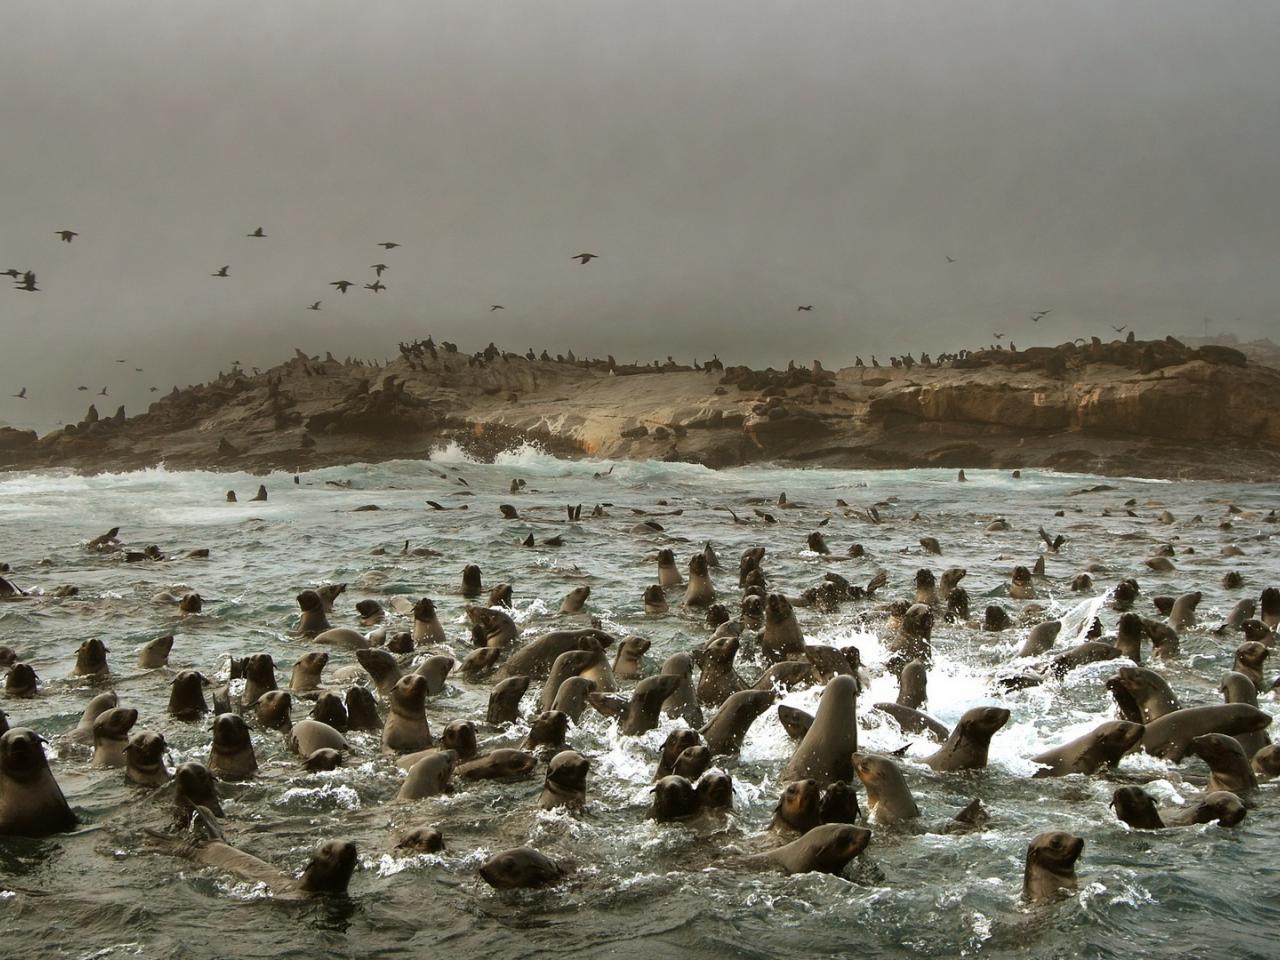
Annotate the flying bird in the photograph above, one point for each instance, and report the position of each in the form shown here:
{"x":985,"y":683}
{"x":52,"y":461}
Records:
{"x":66,"y":235}
{"x":103,"y":392}
{"x":28,"y":282}
{"x":121,"y":361}
{"x":376,"y":286}
{"x":950,"y":259}
{"x":11,"y":272}
{"x":341,"y":285}
{"x":82,"y":388}
{"x":585,"y":258}
{"x":137,"y":369}
{"x":1121,"y":329}
{"x":155,"y":389}
{"x":496,"y":306}
{"x":21,"y":394}
{"x":379,"y":267}
{"x":257,"y":233}
{"x":388,"y":246}
{"x":809,"y":307}
{"x":998,"y":336}
{"x":1040,"y":315}
{"x":314,"y":306}
{"x":222,"y":273}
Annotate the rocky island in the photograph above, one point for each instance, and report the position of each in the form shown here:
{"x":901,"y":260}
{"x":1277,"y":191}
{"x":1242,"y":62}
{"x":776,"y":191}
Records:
{"x":1156,"y":408}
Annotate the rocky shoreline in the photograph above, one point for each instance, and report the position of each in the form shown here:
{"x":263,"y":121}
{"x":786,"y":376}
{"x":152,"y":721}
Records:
{"x":1136,"y":408}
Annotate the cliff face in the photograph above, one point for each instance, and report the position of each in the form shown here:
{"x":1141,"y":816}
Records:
{"x":1154,"y":409}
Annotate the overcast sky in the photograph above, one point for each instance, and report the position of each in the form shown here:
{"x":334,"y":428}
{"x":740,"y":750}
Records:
{"x":727,"y":161}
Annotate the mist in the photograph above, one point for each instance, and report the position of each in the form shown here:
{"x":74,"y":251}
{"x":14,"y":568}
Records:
{"x":727,"y":161}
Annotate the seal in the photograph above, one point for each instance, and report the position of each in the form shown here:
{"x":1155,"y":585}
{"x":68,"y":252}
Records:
{"x":718,"y":680}
{"x":926,"y":587}
{"x":426,"y":624}
{"x":1229,"y":768}
{"x":362,"y":710}
{"x":1051,"y":866}
{"x":1269,"y":607}
{"x":1221,"y":807}
{"x":429,"y":776}
{"x":787,"y":675}
{"x":1141,"y":695}
{"x":231,"y":757}
{"x":547,"y":729}
{"x":683,"y":702}
{"x":571,"y":663}
{"x":307,"y":670}
{"x":700,"y":592}
{"x":21,"y":682}
{"x":83,"y":733}
{"x":1041,"y":638}
{"x":330,"y":709}
{"x":1102,"y":746}
{"x":460,"y":737}
{"x":1134,"y":806}
{"x":966,"y":748}
{"x":692,"y":762}
{"x":500,"y":764}
{"x":888,"y":796}
{"x":824,"y":849}
{"x":728,"y":728}
{"x":312,"y":619}
{"x":798,"y":808}
{"x":308,"y":736}
{"x":566,"y":781}
{"x":1183,"y":613}
{"x":422,"y":840}
{"x":1021,"y":586}
{"x":111,"y":736}
{"x":406,"y":728}
{"x":91,"y":659}
{"x":575,"y":599}
{"x":571,"y":698}
{"x":676,"y":743}
{"x":1249,"y":659}
{"x":1129,"y":636}
{"x":272,"y":711}
{"x":626,"y":664}
{"x":915,"y":632}
{"x":913,"y":685}
{"x":31,"y":803}
{"x":535,"y":658}
{"x":322,"y":760}
{"x":674,"y":799}
{"x":1170,"y":736}
{"x":521,"y":868}
{"x":795,"y":721}
{"x":655,"y":601}
{"x":436,"y":670}
{"x":144,"y":756}
{"x":668,"y":572}
{"x":194,"y":786}
{"x":259,"y":672}
{"x":479,"y":662}
{"x":504,"y":700}
{"x":471,"y":583}
{"x":155,"y":653}
{"x":825,"y":754}
{"x":500,"y":596}
{"x":382,"y":667}
{"x":715,"y":793}
{"x":839,"y":804}
{"x":343,"y":637}
{"x":641,"y":713}
{"x":1082,"y":654}
{"x":1237,"y":688}
{"x":781,"y":639}
{"x":329,"y":592}
{"x":914,"y":721}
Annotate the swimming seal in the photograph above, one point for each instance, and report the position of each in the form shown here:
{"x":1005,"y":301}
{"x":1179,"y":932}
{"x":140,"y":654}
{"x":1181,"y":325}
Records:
{"x":575,"y":599}
{"x":1102,"y":746}
{"x":406,"y":728}
{"x":429,"y":776}
{"x":312,"y":619}
{"x":362,"y":710}
{"x":436,"y":670}
{"x":913,"y":685}
{"x":1141,"y":695}
{"x":535,"y":658}
{"x":1229,"y":768}
{"x":1226,"y":809}
{"x":641,"y":713}
{"x":967,"y":747}
{"x":155,"y":653}
{"x":728,"y":728}
{"x":655,"y":601}
{"x":1051,"y":865}
{"x":231,"y":757}
{"x":674,"y":799}
{"x":382,"y":667}
{"x":422,"y":840}
{"x":111,"y":736}
{"x":91,"y":659}
{"x":888,"y":796}
{"x":504,"y":700}
{"x":330,"y":709}
{"x":700,"y":592}
{"x":522,"y":867}
{"x":426,"y":624}
{"x":272,"y":711}
{"x":471,"y":584}
{"x":31,"y":803}
{"x":566,"y":781}
{"x":144,"y":756}
{"x":500,"y":764}
{"x":1041,"y":638}
{"x":718,"y":679}
{"x":626,"y":664}
{"x":547,"y":729}
{"x":798,"y":807}
{"x":824,"y":849}
{"x":781,"y":639}
{"x":83,"y":733}
{"x":1170,"y":736}
{"x":825,"y":754}
{"x":308,"y":736}
{"x":668,"y":572}
{"x":1237,"y":688}
{"x":194,"y":786}
{"x":1183,"y":612}
{"x":259,"y":672}
{"x":307,"y":670}
{"x":914,"y":721}
{"x":572,"y":697}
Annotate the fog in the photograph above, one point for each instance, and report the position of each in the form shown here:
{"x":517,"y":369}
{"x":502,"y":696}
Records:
{"x":727,"y":161}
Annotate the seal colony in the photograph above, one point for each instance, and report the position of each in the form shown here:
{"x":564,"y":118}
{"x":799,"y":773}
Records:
{"x":772,"y":693}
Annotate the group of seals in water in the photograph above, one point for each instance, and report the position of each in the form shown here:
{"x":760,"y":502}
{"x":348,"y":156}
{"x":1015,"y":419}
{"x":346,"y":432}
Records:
{"x":818,"y":822}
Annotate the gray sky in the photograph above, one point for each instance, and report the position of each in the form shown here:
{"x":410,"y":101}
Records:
{"x":728,"y":161}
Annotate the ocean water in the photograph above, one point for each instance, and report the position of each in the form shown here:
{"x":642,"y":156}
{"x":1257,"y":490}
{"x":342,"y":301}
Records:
{"x":638,"y":888}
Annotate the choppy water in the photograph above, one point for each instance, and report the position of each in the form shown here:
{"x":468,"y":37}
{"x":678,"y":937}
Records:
{"x":640,"y":888}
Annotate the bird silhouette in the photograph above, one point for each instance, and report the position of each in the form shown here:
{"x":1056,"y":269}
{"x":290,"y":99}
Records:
{"x":257,"y":233}
{"x":998,"y":336}
{"x":155,"y":389}
{"x":102,"y":392}
{"x":314,"y":306}
{"x":388,"y":246}
{"x":585,"y":258}
{"x":1121,"y":329}
{"x":67,"y":235}
{"x":82,"y":388}
{"x":137,"y":369}
{"x":11,"y":272}
{"x":376,"y":286}
{"x":21,"y":394}
{"x":951,"y":259}
{"x":496,"y":306}
{"x":28,"y":282}
{"x":121,"y":361}
{"x":379,"y":267}
{"x":222,"y":273}
{"x":1040,"y":315}
{"x":809,"y":307}
{"x":342,"y":285}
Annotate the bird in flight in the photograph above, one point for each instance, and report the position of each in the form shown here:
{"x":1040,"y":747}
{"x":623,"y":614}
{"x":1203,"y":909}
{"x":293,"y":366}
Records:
{"x":21,"y":394}
{"x":314,"y":306}
{"x":388,"y":246}
{"x":222,"y":273}
{"x":120,"y":361}
{"x":82,"y":388}
{"x":998,"y":336}
{"x":341,"y":285}
{"x":950,"y":259}
{"x":137,"y":369}
{"x":496,"y":306}
{"x":1040,"y":315}
{"x":808,"y":307}
{"x":585,"y":258}
{"x":28,"y":282}
{"x":379,"y":267}
{"x":11,"y":272}
{"x":102,"y":392}
{"x":257,"y":233}
{"x":1120,"y":329}
{"x":67,"y":235}
{"x":155,"y":389}
{"x":376,"y":286}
